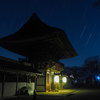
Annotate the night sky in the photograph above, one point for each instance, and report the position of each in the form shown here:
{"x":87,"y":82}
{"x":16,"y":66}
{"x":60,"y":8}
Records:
{"x":78,"y":18}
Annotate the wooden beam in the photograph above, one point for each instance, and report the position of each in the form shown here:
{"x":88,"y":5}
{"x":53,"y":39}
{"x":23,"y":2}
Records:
{"x":35,"y":82}
{"x":3,"y":83}
{"x":16,"y":83}
{"x":45,"y":81}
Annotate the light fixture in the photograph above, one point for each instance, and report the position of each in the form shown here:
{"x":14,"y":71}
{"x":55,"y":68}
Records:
{"x":98,"y":77}
{"x":64,"y":79}
{"x":56,"y":79}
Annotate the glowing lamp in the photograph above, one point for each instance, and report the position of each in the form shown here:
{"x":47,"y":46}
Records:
{"x":98,"y":77}
{"x":56,"y":79}
{"x":64,"y":79}
{"x":75,"y":81}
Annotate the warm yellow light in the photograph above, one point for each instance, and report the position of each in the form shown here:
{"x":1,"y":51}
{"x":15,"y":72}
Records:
{"x":56,"y":79}
{"x":64,"y":79}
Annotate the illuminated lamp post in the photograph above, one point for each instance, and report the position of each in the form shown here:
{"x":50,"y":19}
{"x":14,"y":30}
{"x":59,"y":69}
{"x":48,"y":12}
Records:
{"x":98,"y":80}
{"x":56,"y":80}
{"x":98,"y":77}
{"x":64,"y":80}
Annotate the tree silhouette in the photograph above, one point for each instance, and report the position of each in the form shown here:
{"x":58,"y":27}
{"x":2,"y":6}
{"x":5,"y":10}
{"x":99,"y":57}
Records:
{"x":97,"y":4}
{"x":92,"y":64}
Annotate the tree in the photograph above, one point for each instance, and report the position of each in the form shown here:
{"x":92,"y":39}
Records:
{"x":97,"y":4}
{"x":92,"y":64}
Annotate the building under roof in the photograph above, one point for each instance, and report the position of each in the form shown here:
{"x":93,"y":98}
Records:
{"x":39,"y":42}
{"x":15,"y":75}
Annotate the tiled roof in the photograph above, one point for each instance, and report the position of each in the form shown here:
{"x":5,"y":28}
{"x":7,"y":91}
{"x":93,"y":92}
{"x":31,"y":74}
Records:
{"x":38,"y":41}
{"x":15,"y":66}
